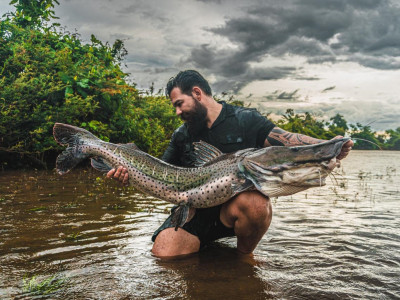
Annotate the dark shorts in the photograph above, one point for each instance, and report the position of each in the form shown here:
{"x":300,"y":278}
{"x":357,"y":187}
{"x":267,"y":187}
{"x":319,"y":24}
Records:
{"x":205,"y":224}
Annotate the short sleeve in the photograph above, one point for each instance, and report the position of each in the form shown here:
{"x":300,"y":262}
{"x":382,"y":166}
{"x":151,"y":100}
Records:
{"x":257,"y":127}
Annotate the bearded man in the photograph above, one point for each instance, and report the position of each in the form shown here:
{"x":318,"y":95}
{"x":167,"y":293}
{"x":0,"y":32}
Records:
{"x":229,"y":128}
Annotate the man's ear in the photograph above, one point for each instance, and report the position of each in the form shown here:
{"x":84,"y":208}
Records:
{"x":196,"y":93}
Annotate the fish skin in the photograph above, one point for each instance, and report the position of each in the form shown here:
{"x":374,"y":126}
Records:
{"x":274,"y":171}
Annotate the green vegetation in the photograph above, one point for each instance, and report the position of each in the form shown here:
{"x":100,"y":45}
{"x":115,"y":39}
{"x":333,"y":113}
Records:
{"x":364,"y":137}
{"x":115,"y":206}
{"x":39,"y":208}
{"x":49,"y":75}
{"x":74,"y":236}
{"x":49,"y":285}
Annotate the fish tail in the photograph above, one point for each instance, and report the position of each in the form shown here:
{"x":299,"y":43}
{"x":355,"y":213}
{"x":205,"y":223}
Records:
{"x":75,"y":139}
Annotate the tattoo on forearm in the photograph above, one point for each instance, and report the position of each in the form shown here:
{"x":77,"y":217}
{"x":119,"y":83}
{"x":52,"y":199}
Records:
{"x":280,"y":137}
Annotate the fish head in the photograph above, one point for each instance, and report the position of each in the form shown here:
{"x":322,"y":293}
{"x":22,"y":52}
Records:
{"x":278,"y":171}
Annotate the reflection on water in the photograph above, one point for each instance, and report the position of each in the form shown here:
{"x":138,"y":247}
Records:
{"x":217,"y":271}
{"x":339,"y":241}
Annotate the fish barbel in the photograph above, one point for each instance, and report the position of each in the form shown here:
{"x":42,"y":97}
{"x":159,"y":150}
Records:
{"x":274,"y":171}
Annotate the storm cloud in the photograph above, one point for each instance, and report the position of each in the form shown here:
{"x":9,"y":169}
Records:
{"x":323,"y":56}
{"x":365,"y":32}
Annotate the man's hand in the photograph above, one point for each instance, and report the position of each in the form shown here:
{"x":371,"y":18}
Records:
{"x":345,"y":148}
{"x":120,"y":174}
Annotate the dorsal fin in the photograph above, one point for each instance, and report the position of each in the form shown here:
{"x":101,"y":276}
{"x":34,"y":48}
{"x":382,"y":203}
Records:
{"x":205,"y":153}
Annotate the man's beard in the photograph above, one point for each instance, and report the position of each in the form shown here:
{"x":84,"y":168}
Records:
{"x":196,"y":119}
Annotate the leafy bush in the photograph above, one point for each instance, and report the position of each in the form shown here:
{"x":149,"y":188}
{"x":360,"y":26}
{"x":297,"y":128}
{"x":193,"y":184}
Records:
{"x":49,"y":75}
{"x":305,"y":124}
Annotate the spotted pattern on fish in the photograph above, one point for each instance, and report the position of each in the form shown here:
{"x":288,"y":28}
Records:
{"x":274,"y":171}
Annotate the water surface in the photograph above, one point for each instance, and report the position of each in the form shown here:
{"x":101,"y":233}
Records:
{"x":340,"y":241}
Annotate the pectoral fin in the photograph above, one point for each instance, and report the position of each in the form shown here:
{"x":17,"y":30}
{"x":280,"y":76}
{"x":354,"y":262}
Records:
{"x":180,"y":215}
{"x":251,"y":178}
{"x":246,"y":174}
{"x":101,"y":164}
{"x":241,"y":186}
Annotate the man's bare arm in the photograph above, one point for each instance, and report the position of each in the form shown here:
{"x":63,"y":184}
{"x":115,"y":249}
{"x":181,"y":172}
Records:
{"x":280,"y":137}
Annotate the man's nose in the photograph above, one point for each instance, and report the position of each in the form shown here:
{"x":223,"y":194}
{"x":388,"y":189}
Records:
{"x":178,"y":111}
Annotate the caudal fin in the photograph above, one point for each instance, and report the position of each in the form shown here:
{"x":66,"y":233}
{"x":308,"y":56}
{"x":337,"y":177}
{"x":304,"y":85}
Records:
{"x":75,"y":139}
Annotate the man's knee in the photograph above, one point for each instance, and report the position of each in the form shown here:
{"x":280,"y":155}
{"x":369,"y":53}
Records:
{"x":254,"y":206}
{"x":250,"y":214}
{"x":173,"y":243}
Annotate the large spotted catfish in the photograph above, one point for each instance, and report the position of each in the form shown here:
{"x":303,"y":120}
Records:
{"x":217,"y":177}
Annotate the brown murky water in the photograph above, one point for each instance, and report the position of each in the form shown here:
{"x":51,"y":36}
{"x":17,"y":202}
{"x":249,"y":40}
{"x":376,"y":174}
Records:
{"x":340,"y":241}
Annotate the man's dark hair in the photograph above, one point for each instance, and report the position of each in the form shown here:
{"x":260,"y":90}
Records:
{"x":186,"y":80}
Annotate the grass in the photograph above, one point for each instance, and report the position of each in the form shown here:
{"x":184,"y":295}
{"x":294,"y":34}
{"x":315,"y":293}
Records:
{"x":115,"y":207}
{"x":39,"y":208}
{"x":74,"y":236}
{"x":71,"y":205}
{"x":46,"y":286}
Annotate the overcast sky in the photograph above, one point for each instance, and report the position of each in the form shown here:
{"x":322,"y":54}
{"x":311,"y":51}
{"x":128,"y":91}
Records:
{"x":324,"y":56}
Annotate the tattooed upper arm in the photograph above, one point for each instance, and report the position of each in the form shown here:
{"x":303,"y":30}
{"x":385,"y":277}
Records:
{"x":280,"y":137}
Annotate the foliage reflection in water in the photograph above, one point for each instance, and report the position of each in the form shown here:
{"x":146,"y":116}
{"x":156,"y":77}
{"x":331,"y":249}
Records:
{"x":338,"y":241}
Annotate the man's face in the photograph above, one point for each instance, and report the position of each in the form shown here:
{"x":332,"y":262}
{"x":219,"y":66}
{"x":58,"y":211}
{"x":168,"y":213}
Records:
{"x":190,"y":110}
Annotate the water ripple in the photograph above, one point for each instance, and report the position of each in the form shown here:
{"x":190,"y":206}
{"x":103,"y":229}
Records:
{"x":340,"y":241}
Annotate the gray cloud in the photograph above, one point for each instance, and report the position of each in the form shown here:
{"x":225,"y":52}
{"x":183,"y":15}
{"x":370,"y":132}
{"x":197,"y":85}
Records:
{"x":231,"y":69}
{"x":385,"y":62}
{"x":120,"y":36}
{"x":362,"y":31}
{"x":145,"y":11}
{"x":303,"y":46}
{"x":234,"y":43}
{"x":279,"y":96}
{"x":236,"y":82}
{"x":211,"y":1}
{"x":328,"y":89}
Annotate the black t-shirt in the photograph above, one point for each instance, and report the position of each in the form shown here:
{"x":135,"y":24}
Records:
{"x":236,"y":128}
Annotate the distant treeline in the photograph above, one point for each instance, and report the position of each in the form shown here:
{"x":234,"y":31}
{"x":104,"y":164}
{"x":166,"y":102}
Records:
{"x":364,"y":137}
{"x":49,"y":75}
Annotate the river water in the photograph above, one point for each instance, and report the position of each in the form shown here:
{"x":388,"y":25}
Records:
{"x":340,"y":241}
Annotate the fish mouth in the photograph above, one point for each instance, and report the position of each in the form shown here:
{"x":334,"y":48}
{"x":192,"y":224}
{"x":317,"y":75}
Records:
{"x":307,"y":174}
{"x":280,"y":159}
{"x":287,"y":179}
{"x":279,"y":171}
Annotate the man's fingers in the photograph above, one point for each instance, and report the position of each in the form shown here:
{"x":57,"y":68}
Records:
{"x":118,"y":172}
{"x":349,"y":144}
{"x":344,"y":153}
{"x":346,"y":148}
{"x":110,"y":173}
{"x":121,"y":174}
{"x":125,"y":180}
